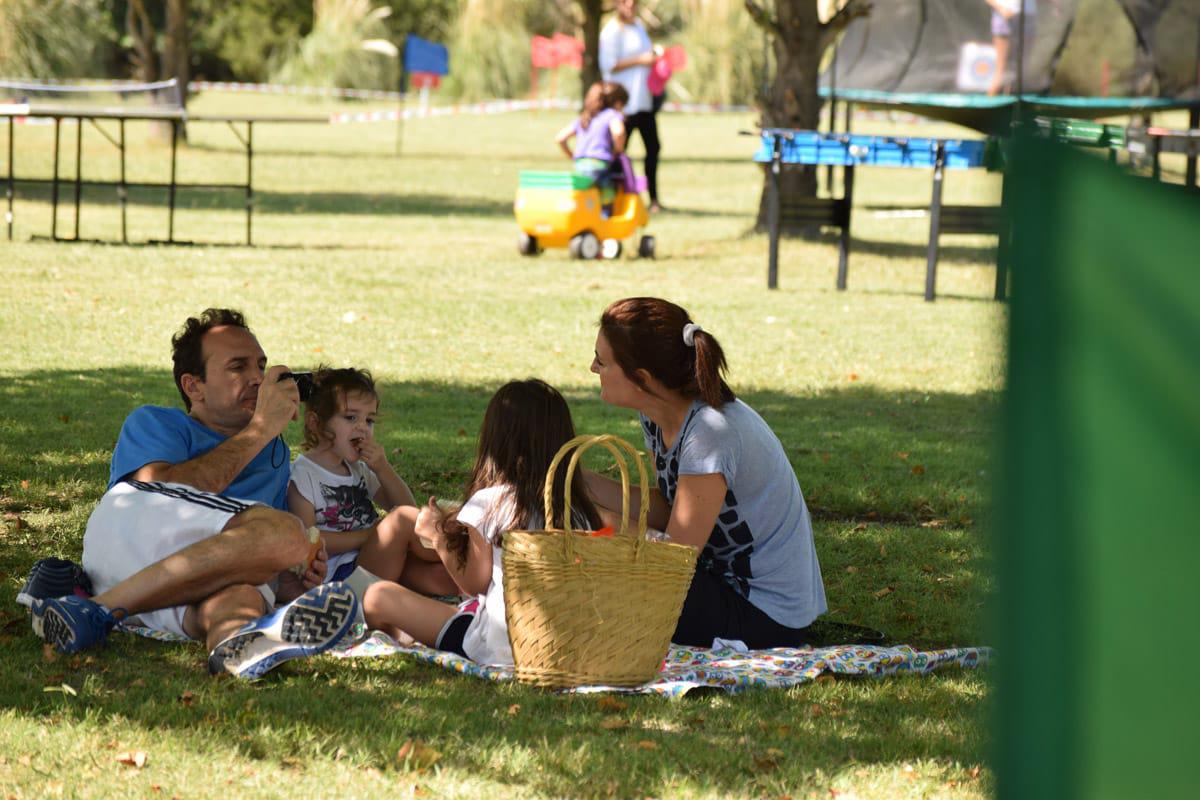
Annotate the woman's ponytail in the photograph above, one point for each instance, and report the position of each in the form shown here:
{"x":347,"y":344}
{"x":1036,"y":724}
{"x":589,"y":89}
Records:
{"x":710,"y":365}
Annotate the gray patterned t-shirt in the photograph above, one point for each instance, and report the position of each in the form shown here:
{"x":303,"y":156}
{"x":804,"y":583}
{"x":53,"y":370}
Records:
{"x":762,"y":543}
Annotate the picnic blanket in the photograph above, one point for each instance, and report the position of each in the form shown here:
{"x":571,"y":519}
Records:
{"x":730,"y":669}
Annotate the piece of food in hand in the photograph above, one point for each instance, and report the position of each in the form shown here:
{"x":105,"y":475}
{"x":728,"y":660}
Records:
{"x":314,"y":549}
{"x":447,"y":506}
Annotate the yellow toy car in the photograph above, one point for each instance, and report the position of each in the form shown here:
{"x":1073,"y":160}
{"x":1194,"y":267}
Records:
{"x":562,"y":209}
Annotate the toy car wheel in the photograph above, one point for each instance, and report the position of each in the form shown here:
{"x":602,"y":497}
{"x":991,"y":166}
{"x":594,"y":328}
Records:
{"x":646,"y":247}
{"x":611,"y":248}
{"x":527,"y":245}
{"x":585,"y":245}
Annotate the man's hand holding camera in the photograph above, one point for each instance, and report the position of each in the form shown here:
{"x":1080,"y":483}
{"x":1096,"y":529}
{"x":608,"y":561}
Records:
{"x":278,"y":402}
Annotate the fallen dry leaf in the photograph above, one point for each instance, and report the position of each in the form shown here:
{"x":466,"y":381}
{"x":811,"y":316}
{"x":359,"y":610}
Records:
{"x":764,"y":763}
{"x":24,"y":484}
{"x":646,"y":744}
{"x":611,"y":704}
{"x":853,"y":376}
{"x":852,"y":569}
{"x":883,"y":551}
{"x":514,"y":709}
{"x":49,"y":654}
{"x":613,"y":723}
{"x":884,"y":592}
{"x":903,"y":456}
{"x":974,"y":773}
{"x":132,"y":758}
{"x":187,"y":698}
{"x":918,"y":469}
{"x":415,"y":754}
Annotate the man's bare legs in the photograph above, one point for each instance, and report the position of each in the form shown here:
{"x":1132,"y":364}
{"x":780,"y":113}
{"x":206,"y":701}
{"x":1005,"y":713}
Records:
{"x":395,"y":553}
{"x":223,"y":614}
{"x":216,"y":577}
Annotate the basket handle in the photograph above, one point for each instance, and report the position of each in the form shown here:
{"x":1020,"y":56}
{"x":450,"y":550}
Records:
{"x":614,"y":445}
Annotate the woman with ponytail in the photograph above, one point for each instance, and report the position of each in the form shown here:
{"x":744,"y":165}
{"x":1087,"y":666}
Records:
{"x":725,"y":485}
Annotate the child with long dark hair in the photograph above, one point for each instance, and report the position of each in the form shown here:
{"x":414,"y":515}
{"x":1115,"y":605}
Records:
{"x":525,"y":424}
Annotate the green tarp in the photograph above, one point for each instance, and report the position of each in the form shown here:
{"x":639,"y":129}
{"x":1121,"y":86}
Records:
{"x":1098,"y":524}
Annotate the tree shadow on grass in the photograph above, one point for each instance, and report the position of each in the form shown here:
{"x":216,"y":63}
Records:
{"x":563,"y":745}
{"x":860,"y":453}
{"x":856,"y":451}
{"x":272,"y":202}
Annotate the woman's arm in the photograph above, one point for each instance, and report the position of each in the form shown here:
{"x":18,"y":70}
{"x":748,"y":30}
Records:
{"x":645,"y":59}
{"x":617,"y":129}
{"x":606,"y":493}
{"x":698,"y":501}
{"x":565,"y":136}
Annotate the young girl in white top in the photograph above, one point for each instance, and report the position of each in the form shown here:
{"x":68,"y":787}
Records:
{"x":344,"y":473}
{"x":525,"y":424}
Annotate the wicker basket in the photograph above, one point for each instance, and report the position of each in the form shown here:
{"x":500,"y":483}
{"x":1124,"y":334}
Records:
{"x":586,"y":609}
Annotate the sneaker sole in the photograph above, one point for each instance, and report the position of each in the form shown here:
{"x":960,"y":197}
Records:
{"x":54,"y":630}
{"x":310,"y":625}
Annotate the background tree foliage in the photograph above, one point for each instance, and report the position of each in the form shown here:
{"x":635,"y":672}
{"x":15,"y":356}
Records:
{"x":43,"y":38}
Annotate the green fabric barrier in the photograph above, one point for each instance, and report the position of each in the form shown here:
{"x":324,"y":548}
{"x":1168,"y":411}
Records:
{"x":1098,"y":515}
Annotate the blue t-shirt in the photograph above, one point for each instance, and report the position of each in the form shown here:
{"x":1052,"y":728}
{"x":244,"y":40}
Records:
{"x":762,"y":543}
{"x":155,"y":433}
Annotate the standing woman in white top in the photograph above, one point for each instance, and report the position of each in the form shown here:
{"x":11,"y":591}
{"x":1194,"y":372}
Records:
{"x":725,"y":485}
{"x":626,"y":56}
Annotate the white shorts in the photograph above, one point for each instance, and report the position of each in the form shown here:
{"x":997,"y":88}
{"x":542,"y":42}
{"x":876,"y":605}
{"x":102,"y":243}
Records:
{"x":138,"y":524}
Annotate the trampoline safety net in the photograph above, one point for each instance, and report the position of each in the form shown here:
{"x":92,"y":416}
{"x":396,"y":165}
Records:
{"x":945,"y":46}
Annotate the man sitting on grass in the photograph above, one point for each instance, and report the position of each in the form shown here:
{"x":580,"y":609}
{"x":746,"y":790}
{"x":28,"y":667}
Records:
{"x":190,"y":535}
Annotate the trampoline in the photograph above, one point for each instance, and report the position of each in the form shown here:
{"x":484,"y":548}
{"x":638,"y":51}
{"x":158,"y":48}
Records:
{"x":937,"y":59}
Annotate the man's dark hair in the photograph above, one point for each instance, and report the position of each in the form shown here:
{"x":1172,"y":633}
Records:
{"x":186,"y":350}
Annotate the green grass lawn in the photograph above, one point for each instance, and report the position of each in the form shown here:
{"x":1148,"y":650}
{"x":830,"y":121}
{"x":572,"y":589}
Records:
{"x":408,"y":266}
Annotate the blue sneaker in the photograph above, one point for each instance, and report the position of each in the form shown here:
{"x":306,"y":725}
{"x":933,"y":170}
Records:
{"x":54,"y":577}
{"x":312,"y":623}
{"x":71,"y":623}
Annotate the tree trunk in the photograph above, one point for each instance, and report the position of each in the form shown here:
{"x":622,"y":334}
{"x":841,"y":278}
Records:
{"x":793,"y":101}
{"x":592,"y":11}
{"x":141,"y":31}
{"x":176,"y":53}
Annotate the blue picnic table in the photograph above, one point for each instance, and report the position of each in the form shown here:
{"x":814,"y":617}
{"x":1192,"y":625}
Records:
{"x":779,"y":146}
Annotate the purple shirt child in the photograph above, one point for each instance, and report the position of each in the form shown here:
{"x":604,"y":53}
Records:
{"x":596,"y":141}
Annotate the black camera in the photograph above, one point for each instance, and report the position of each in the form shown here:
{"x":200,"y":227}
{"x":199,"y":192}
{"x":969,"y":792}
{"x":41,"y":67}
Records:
{"x":304,"y":383}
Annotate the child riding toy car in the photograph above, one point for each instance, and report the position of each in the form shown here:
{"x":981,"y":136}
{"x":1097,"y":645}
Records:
{"x":562,"y":209}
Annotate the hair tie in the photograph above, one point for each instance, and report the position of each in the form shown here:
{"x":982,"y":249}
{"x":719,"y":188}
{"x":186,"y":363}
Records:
{"x":689,"y":333}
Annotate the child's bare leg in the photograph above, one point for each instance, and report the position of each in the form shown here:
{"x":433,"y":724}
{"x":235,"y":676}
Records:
{"x":395,"y":553}
{"x":396,"y":610}
{"x":386,"y":550}
{"x":428,"y":578}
